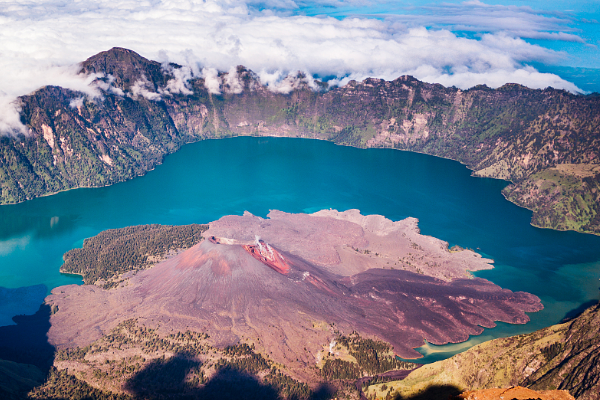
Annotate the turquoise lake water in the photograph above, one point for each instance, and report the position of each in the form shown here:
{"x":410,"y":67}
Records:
{"x":209,"y":179}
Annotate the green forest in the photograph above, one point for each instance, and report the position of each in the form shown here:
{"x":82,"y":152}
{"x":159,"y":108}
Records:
{"x":115,"y":251}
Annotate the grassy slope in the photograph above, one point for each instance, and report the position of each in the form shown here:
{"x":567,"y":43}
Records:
{"x":565,"y":356}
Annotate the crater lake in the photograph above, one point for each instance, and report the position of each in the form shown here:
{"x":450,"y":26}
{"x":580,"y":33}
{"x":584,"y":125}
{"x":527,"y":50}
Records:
{"x":207,"y":180}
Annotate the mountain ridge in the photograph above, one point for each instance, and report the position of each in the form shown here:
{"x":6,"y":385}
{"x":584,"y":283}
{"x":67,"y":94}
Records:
{"x":544,"y":141}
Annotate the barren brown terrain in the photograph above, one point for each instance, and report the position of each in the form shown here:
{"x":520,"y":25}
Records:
{"x":291,"y":283}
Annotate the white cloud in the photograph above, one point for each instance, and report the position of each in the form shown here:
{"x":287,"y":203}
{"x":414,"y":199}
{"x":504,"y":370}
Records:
{"x":42,"y":40}
{"x":476,"y":16}
{"x":212,"y":82}
{"x":180,"y":81}
{"x":104,"y":82}
{"x":21,"y":75}
{"x":281,"y":83}
{"x":233,"y":82}
{"x":76,"y":102}
{"x":144,"y":88}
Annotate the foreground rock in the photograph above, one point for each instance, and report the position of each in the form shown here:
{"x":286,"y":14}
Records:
{"x":514,"y":393}
{"x":307,"y":280}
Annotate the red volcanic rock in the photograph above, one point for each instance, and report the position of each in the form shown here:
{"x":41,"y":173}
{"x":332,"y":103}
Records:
{"x":266,"y":291}
{"x":264,"y":253}
{"x":514,"y":393}
{"x":347,"y":242}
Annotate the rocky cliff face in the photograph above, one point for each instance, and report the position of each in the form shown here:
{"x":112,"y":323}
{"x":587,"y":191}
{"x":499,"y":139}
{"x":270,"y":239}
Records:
{"x":545,"y":141}
{"x":565,"y":357}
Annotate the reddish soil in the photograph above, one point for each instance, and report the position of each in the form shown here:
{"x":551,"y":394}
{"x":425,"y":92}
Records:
{"x":288,"y":304}
{"x":515,"y":393}
{"x":266,"y":254}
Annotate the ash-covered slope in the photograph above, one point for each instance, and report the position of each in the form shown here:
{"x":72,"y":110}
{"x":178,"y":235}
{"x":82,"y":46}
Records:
{"x":290,"y":298}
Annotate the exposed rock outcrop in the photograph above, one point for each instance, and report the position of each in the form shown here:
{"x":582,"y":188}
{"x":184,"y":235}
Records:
{"x":514,"y":393}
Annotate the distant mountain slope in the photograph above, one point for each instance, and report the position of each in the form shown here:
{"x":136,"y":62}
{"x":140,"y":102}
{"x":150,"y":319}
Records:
{"x":547,"y":142}
{"x":565,"y":356}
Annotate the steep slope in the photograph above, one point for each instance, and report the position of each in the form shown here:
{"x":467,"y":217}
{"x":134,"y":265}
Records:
{"x":565,"y":356}
{"x":545,"y":141}
{"x":123,"y":69}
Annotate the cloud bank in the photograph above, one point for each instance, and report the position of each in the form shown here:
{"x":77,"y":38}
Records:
{"x":42,"y":40}
{"x":476,"y":16}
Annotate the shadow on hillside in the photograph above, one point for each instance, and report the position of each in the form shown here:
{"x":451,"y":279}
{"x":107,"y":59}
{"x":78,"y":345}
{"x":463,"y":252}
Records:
{"x":433,"y":392}
{"x":26,"y":342}
{"x":168,"y":379}
{"x":576,"y":312}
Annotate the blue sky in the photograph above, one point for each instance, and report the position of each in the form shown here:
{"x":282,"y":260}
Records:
{"x":455,"y":43}
{"x":571,"y":27}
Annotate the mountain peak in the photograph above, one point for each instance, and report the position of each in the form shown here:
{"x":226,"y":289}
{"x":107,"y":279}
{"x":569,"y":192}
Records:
{"x":126,"y":67}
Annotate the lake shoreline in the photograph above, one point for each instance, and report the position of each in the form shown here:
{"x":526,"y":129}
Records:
{"x":508,"y":182}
